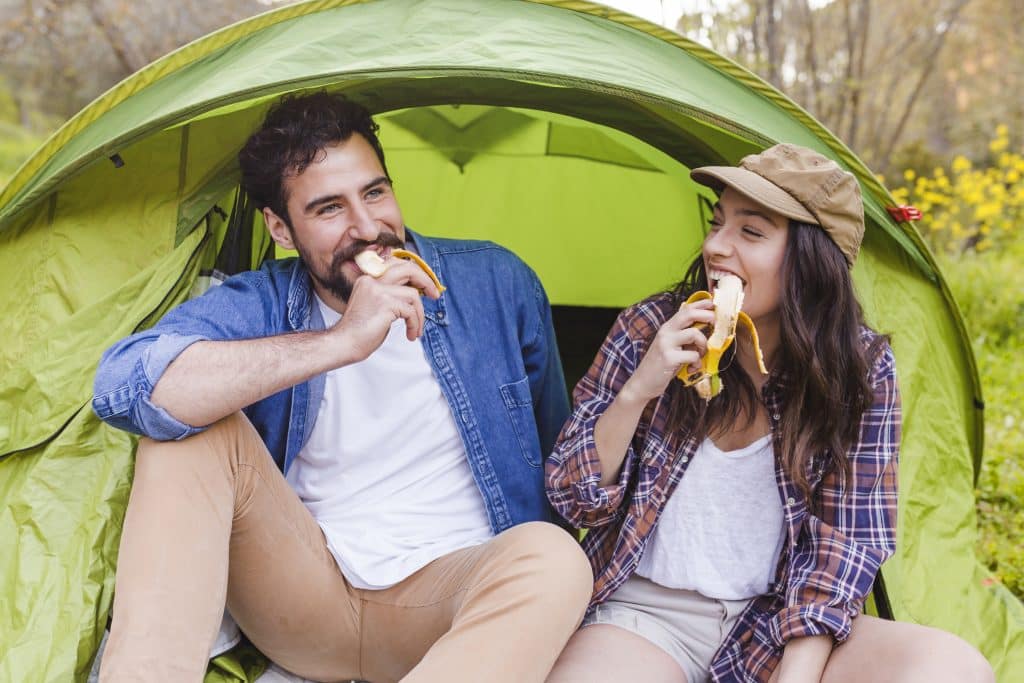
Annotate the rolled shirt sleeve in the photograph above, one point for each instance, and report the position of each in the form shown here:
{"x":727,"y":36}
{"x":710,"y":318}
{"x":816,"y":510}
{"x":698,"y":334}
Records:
{"x":127,"y":404}
{"x":574,"y":468}
{"x":240,"y":308}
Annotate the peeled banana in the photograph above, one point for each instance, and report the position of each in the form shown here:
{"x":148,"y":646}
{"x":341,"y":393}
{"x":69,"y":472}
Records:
{"x":373,"y":265}
{"x":728,"y":300}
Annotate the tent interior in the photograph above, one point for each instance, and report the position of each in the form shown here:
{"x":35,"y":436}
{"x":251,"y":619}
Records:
{"x":604,"y":217}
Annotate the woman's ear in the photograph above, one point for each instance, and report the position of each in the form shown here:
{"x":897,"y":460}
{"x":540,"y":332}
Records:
{"x":278,"y":229}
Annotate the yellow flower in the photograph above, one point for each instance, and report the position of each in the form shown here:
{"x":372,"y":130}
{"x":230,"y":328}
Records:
{"x":986,"y":211}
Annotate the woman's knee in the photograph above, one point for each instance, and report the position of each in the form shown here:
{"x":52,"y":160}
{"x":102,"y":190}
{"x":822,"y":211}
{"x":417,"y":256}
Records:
{"x":958,"y":660}
{"x":937,"y":655}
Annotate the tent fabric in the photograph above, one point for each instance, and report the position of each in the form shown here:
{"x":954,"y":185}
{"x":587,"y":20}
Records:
{"x":564,"y":130}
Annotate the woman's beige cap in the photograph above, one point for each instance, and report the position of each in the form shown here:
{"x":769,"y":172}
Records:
{"x":800,"y":184}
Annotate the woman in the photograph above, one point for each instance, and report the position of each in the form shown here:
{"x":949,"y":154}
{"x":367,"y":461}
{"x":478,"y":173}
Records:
{"x":736,"y":538}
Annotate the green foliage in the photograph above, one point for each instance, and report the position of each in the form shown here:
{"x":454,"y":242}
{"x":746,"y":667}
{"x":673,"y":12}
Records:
{"x":974,"y":221}
{"x":916,"y":156}
{"x":967,"y":207}
{"x":989,"y":287}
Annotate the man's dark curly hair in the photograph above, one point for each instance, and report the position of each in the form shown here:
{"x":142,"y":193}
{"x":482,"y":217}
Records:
{"x":294,"y":133}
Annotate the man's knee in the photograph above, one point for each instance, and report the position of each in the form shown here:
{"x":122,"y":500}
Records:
{"x":227,"y":430}
{"x":221,"y":447}
{"x":554,"y":559}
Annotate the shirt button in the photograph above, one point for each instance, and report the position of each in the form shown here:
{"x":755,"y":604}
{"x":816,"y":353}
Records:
{"x":791,"y":501}
{"x":440,"y":316}
{"x":685,"y":458}
{"x":776,"y":417}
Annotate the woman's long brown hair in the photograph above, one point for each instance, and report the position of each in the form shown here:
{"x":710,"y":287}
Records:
{"x":821,"y":365}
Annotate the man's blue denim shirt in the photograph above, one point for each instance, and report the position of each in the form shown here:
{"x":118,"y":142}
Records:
{"x":489,"y":339}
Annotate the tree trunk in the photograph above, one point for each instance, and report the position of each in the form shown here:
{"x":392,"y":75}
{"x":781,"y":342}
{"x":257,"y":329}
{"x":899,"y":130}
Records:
{"x":755,"y":34}
{"x":927,"y":67}
{"x":843,"y":96}
{"x":857,"y":85}
{"x":120,"y":48}
{"x":772,"y":41}
{"x":811,"y":59}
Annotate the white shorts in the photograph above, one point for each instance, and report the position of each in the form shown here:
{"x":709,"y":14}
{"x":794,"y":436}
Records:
{"x":687,"y":625}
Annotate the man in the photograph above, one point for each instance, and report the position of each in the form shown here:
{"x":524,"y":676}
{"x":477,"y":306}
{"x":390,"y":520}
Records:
{"x":352,"y":464}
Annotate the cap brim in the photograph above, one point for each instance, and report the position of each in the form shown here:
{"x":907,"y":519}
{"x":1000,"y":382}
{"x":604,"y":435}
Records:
{"x":755,"y":188}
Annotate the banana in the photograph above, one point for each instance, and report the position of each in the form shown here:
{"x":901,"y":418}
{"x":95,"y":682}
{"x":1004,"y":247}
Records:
{"x":373,"y":265}
{"x":728,"y":300}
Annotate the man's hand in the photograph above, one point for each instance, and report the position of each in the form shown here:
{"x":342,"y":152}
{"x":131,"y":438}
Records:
{"x":213,"y":379}
{"x":376,"y":303}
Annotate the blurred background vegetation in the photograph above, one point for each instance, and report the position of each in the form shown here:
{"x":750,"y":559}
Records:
{"x":930,"y":93}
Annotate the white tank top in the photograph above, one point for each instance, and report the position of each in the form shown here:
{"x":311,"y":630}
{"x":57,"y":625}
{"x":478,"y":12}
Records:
{"x":385,"y":472}
{"x":722,"y":529}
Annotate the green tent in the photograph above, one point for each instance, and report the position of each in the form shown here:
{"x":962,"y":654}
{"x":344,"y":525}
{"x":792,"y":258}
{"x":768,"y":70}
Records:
{"x":559,"y":128}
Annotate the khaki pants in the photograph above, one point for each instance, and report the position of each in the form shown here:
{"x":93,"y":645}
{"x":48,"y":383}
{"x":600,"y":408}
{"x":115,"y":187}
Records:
{"x":211,"y":519}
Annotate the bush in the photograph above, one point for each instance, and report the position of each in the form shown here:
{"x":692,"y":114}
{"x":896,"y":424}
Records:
{"x":990,"y":290}
{"x":973,"y":217}
{"x":968,"y":208}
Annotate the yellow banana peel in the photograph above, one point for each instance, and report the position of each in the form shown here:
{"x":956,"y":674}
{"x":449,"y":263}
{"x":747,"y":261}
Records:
{"x":373,"y":265}
{"x":728,"y":300}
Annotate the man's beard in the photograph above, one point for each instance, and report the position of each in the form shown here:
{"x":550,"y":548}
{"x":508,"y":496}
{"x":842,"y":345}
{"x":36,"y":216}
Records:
{"x":334,"y":280}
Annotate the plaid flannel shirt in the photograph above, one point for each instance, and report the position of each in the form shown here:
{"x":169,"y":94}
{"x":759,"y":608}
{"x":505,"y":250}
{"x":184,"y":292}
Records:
{"x":829,"y":560}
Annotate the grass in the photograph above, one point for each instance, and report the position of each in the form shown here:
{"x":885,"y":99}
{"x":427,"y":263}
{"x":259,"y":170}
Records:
{"x":990,"y":290}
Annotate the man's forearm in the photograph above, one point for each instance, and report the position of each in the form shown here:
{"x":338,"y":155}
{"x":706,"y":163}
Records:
{"x":213,"y":379}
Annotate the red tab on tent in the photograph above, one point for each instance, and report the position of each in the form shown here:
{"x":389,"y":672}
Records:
{"x":904,"y":214}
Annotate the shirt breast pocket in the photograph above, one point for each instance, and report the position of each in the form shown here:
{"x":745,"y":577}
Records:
{"x":519,"y":405}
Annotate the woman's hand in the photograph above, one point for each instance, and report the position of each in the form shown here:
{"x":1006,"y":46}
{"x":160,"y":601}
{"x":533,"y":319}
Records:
{"x":678,"y":343}
{"x":803,"y":660}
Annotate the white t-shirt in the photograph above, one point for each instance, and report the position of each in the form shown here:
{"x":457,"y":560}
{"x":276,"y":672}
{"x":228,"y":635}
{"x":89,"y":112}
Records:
{"x":385,"y":472}
{"x":722,"y":529}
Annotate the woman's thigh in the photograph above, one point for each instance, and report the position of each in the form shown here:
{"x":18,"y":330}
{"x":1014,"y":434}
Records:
{"x":883,"y":651}
{"x":603,"y":652}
